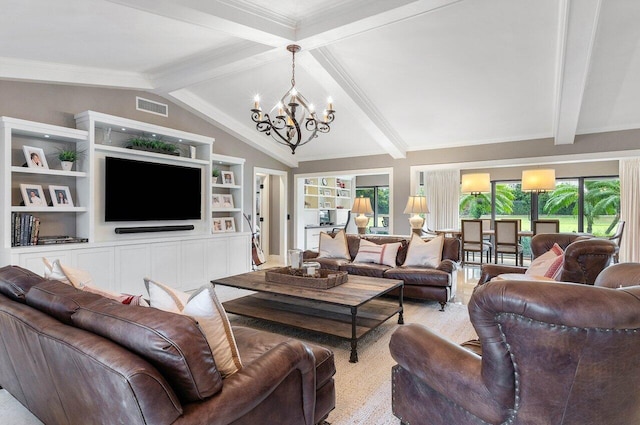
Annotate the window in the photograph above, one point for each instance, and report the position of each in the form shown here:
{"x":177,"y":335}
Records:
{"x":379,"y":196}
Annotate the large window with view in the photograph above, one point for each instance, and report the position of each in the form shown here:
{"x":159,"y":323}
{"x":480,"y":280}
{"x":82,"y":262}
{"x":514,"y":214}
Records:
{"x":590,"y":205}
{"x":379,"y":195}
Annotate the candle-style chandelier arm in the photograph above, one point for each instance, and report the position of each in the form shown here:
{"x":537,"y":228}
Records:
{"x":286,"y":128}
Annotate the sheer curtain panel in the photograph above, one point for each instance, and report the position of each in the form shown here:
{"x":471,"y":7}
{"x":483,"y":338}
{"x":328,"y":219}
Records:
{"x":629,"y":205}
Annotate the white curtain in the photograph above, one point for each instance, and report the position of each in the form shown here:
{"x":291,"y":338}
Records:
{"x":629,"y":211}
{"x":442,"y":190}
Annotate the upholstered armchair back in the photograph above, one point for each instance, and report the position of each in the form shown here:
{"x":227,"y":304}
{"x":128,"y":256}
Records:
{"x":574,"y":349}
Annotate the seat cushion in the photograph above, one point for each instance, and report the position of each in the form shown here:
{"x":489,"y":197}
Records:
{"x":419,"y":276}
{"x":253,"y":343}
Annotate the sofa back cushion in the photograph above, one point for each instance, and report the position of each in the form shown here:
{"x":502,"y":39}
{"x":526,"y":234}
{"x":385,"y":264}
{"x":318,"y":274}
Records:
{"x":173,"y":343}
{"x":58,"y":299}
{"x":15,"y":282}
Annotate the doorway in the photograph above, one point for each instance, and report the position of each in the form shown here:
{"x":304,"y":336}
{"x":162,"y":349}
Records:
{"x":269,"y":218}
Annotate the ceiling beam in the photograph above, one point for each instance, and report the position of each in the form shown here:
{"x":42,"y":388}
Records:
{"x":360,"y":16}
{"x":26,"y":70}
{"x":263,"y":28}
{"x":577,"y":32}
{"x":334,"y":78}
{"x":240,"y":130}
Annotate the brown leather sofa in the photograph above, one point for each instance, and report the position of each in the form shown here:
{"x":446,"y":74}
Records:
{"x":553,"y":353}
{"x":584,"y":257}
{"x":426,"y":283}
{"x":73,"y":357}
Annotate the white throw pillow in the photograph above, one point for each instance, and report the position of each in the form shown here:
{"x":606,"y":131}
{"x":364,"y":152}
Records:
{"x":204,"y":307}
{"x":65,"y":274}
{"x":424,"y":254}
{"x":548,"y":264}
{"x":335,"y":247}
{"x":370,"y":252}
{"x":164,"y":297}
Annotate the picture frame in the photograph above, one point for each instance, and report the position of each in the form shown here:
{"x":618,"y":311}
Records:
{"x":218,"y":225}
{"x":35,"y":157}
{"x":33,"y":195}
{"x":227,"y":177}
{"x":327,"y":192}
{"x":327,"y":204}
{"x":227,"y":201}
{"x":229,"y":224}
{"x":216,"y":201}
{"x":60,"y":196}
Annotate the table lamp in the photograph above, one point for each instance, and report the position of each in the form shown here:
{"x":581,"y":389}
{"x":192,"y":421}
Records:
{"x":416,"y":205}
{"x":362,"y":206}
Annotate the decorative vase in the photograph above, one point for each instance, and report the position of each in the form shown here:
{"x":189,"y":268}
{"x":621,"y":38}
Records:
{"x":66,"y":165}
{"x":214,"y":179}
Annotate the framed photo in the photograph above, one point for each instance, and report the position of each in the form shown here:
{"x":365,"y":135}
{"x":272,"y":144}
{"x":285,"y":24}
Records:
{"x":216,"y":201}
{"x":327,"y":204}
{"x":229,"y":224}
{"x":227,"y":177}
{"x":227,"y":201}
{"x":35,"y":157}
{"x":218,"y":225}
{"x":327,"y":192}
{"x":33,"y":195}
{"x":60,"y":196}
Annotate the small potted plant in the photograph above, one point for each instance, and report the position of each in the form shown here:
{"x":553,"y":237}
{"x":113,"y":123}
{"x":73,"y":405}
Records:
{"x":67,"y":157}
{"x":215,"y":173}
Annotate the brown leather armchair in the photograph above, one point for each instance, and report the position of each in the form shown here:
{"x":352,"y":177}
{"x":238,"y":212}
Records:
{"x":553,"y":353}
{"x":584,"y":257}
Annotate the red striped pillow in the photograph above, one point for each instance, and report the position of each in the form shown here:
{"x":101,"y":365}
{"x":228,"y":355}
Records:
{"x":370,"y":252}
{"x":548,"y":264}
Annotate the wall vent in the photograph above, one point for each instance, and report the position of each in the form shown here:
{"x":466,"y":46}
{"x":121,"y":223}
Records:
{"x":152,"y":107}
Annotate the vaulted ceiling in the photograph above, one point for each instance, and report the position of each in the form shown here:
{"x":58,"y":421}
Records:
{"x":404,"y":75}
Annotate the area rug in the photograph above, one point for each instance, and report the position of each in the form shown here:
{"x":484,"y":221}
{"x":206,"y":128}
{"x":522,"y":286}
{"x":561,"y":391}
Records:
{"x":363,"y":389}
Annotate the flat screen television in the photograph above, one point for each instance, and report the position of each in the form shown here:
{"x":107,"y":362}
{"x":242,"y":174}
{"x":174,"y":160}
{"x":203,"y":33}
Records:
{"x":149,"y":191}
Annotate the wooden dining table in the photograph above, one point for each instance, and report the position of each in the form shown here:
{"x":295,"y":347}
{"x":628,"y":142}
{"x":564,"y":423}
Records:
{"x":457,"y":233}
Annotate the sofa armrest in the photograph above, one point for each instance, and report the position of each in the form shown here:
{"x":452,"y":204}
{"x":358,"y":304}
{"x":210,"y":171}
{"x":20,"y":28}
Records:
{"x":489,"y":271}
{"x":447,"y":368}
{"x":247,"y":388}
{"x":448,"y":266}
{"x":308,"y":254}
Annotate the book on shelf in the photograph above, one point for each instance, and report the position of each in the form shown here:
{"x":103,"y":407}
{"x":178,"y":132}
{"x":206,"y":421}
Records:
{"x":26,"y":229}
{"x":50,"y":240}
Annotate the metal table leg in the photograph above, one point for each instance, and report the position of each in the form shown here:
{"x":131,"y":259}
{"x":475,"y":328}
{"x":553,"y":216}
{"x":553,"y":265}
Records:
{"x":354,"y":340}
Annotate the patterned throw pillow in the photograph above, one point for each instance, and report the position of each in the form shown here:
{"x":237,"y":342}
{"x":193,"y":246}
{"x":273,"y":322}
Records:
{"x":207,"y":310}
{"x":548,"y":264}
{"x":370,"y":252}
{"x":121,"y":298}
{"x":424,"y":253}
{"x":333,"y":247}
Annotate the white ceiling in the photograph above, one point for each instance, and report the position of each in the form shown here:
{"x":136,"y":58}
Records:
{"x":404,"y":74}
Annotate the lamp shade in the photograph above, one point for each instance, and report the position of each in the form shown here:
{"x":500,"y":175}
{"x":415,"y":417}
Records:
{"x":416,"y":205}
{"x":538,"y":180}
{"x":362,"y":205}
{"x":476,"y":183}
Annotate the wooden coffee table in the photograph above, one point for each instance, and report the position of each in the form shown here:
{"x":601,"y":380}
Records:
{"x":349,"y":311}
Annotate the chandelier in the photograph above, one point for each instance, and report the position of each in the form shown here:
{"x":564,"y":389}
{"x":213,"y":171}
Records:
{"x":296,"y":123}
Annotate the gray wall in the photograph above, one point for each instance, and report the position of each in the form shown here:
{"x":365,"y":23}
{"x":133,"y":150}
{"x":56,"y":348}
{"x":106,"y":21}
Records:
{"x":57,"y":104}
{"x":619,"y":142}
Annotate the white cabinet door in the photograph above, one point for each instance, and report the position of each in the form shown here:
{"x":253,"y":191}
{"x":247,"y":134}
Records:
{"x":99,"y":262}
{"x":165,"y":263}
{"x":218,"y":257}
{"x":194,"y":264}
{"x":240,"y":247}
{"x":133,"y":263}
{"x":312,"y":239}
{"x":33,"y":261}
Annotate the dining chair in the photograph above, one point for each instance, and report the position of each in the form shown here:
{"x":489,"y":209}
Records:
{"x":617,"y":237}
{"x":545,"y":226}
{"x":472,"y":241}
{"x":507,"y":240}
